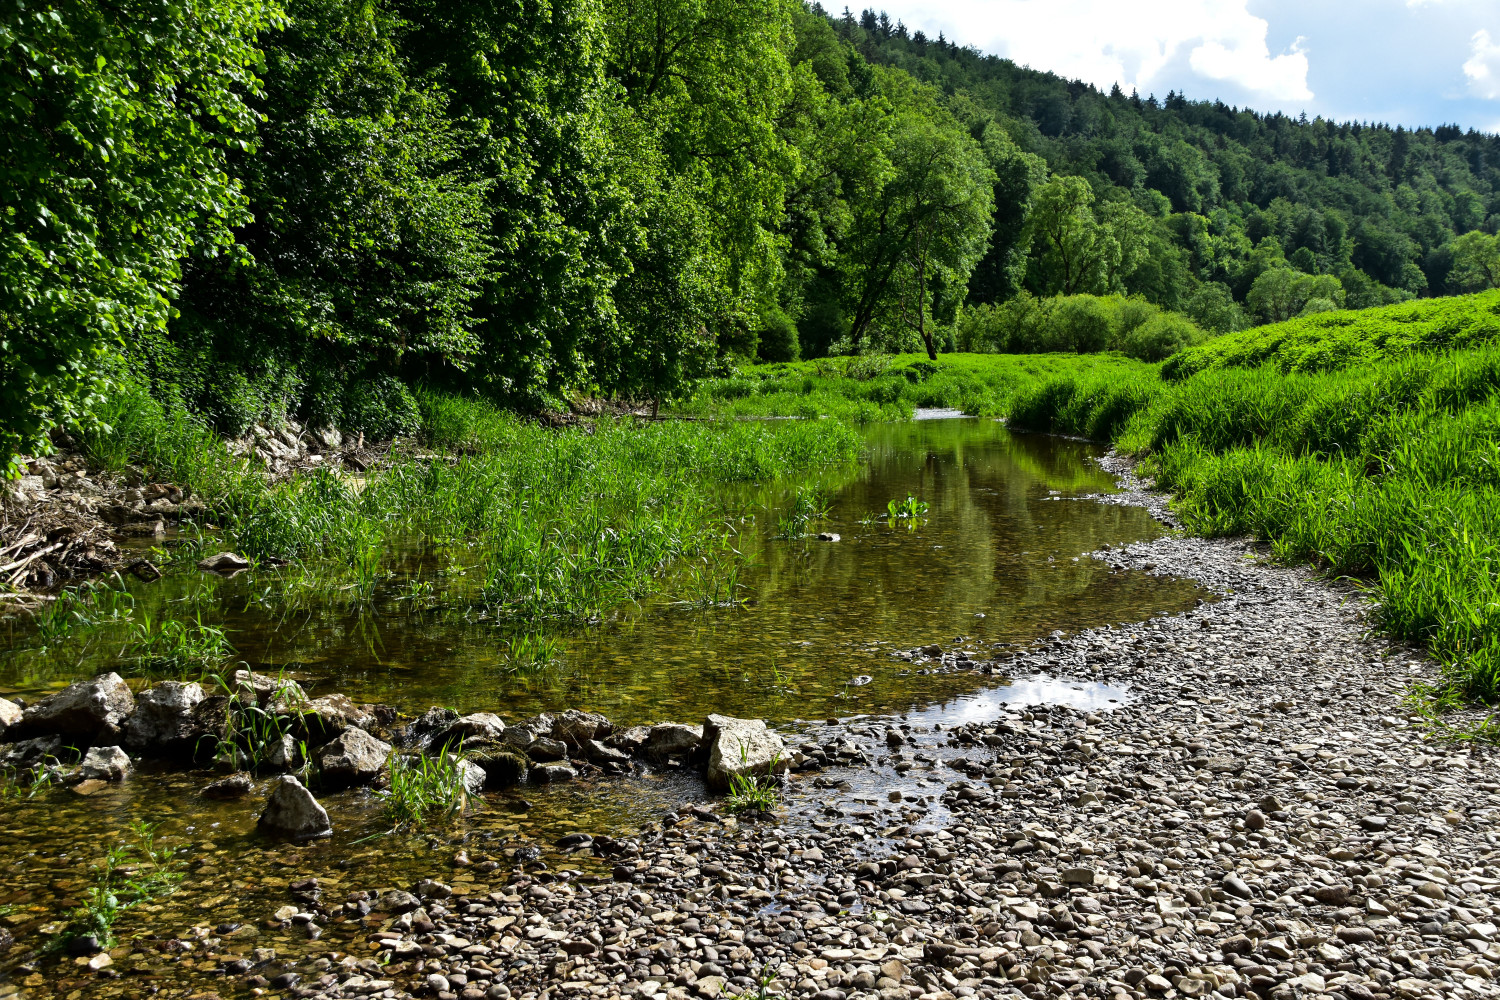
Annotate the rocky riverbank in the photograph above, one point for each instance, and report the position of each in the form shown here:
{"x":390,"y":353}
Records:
{"x":1260,"y":818}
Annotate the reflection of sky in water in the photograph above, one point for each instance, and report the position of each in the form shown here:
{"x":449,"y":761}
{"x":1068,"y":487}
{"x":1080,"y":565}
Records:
{"x":984,"y":706}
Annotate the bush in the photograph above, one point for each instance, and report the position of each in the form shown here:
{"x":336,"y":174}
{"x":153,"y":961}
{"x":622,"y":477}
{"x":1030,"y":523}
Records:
{"x":778,"y":338}
{"x":1160,"y":337}
{"x":1082,"y":324}
{"x":381,"y":408}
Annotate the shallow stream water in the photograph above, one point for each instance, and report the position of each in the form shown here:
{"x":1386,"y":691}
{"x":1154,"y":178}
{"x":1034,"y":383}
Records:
{"x":995,"y":560}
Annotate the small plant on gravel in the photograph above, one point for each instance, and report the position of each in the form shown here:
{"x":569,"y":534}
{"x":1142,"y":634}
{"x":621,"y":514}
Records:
{"x":752,"y":794}
{"x":424,"y":786}
{"x":129,"y":875}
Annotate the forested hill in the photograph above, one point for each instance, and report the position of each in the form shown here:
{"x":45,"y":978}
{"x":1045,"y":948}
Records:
{"x":1385,"y":202}
{"x":307,"y":207}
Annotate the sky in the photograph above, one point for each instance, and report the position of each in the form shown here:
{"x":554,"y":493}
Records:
{"x":1403,"y":62}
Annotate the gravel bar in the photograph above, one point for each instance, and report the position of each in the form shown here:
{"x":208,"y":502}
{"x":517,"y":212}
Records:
{"x":1260,"y":817}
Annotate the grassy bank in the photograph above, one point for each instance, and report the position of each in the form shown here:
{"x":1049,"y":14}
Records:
{"x":890,"y":387}
{"x":535,"y":523}
{"x":1367,"y":443}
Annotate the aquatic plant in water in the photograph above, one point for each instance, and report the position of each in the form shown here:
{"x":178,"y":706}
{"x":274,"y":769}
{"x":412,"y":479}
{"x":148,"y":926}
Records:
{"x":908,"y":510}
{"x":129,"y":875}
{"x":531,"y":652}
{"x":174,"y":648}
{"x":808,"y":505}
{"x":423,"y":787}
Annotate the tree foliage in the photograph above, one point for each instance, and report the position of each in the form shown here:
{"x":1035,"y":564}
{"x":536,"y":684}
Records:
{"x":116,"y":121}
{"x":277,"y":210}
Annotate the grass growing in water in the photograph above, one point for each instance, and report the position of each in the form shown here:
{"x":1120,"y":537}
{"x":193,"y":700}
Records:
{"x":424,"y":787}
{"x":542,"y":528}
{"x":808,"y":505}
{"x":171,"y":648}
{"x":129,"y":875}
{"x":531,"y":652}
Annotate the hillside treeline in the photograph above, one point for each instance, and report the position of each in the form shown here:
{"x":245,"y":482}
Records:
{"x":1244,"y":217}
{"x":307,"y":208}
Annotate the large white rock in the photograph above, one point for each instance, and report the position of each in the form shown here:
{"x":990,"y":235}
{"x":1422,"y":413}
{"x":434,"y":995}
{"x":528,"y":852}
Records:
{"x":352,"y":758}
{"x":164,"y":720}
{"x":92,"y":709}
{"x":743,"y":747}
{"x":291,"y":811}
{"x":10,"y":715}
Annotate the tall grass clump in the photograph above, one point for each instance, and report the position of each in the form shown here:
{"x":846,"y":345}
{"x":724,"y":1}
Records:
{"x":423,"y":788}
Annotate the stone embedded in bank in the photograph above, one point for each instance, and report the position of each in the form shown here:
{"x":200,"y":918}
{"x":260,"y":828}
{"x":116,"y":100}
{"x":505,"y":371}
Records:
{"x":326,"y":717}
{"x":479,"y":726}
{"x":576,"y":728}
{"x":291,"y":811}
{"x":102,"y":764}
{"x":10,"y":715}
{"x":669,"y":741}
{"x":741,"y":748}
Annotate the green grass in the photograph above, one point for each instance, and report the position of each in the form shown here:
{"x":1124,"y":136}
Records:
{"x":538,"y":528}
{"x":423,"y":788}
{"x":889,"y":387}
{"x":1364,"y":454}
{"x":176,"y":649}
{"x":1348,"y":338}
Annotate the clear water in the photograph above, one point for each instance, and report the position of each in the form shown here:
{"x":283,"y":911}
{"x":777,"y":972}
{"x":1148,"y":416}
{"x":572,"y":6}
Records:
{"x":994,"y":561}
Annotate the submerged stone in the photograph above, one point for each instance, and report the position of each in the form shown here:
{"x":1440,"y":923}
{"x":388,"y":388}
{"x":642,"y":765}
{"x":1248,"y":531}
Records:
{"x":233,"y":787}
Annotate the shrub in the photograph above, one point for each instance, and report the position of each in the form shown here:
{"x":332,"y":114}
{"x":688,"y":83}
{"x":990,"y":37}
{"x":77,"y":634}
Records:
{"x":778,"y":338}
{"x":381,"y":408}
{"x":1160,"y":337}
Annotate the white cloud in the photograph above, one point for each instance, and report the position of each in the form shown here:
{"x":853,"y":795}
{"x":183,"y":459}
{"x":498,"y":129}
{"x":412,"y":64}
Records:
{"x":1106,"y":41}
{"x":1483,"y":67}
